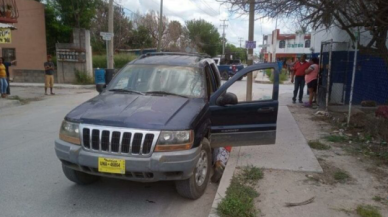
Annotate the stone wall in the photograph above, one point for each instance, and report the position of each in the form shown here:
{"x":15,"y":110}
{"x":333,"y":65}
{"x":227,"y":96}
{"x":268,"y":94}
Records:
{"x":30,"y":76}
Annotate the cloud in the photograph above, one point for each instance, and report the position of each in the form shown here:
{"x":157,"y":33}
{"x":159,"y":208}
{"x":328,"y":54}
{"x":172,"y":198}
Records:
{"x":209,"y":10}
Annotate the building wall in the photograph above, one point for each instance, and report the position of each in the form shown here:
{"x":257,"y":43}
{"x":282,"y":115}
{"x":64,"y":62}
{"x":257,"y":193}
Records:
{"x":29,"y":40}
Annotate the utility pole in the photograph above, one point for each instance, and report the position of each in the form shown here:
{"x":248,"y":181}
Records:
{"x":223,"y":37}
{"x":240,"y":39}
{"x":160,"y":26}
{"x":110,"y":30}
{"x":250,"y":51}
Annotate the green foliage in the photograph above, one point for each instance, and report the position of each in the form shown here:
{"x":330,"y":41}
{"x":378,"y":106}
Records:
{"x":318,"y":145}
{"x":341,"y":176}
{"x":238,"y":53}
{"x":140,"y":38}
{"x":204,"y":35}
{"x":335,"y":138}
{"x":83,"y":78}
{"x":251,"y":174}
{"x":62,"y":15}
{"x":367,"y":211}
{"x":238,"y":201}
{"x":99,"y":61}
{"x":282,"y":76}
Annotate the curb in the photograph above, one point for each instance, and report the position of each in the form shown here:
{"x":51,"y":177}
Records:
{"x":263,"y":82}
{"x":58,"y":86}
{"x":225,"y":180}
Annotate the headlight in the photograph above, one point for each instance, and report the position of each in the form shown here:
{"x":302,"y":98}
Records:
{"x":175,"y":140}
{"x":69,"y":132}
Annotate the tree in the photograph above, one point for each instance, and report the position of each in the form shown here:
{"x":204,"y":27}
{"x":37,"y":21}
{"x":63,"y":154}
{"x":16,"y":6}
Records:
{"x":140,"y":38}
{"x":237,"y":52}
{"x":122,"y":27}
{"x":350,"y":16}
{"x":62,"y":16}
{"x":204,"y":35}
{"x":150,"y":21}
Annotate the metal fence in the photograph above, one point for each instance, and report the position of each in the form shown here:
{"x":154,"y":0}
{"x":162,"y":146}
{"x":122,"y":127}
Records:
{"x":334,"y":79}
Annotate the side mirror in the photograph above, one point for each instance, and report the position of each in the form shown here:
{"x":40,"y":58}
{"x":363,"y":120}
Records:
{"x":227,"y":99}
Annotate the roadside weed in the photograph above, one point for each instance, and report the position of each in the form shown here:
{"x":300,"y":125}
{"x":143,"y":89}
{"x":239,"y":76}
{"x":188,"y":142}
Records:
{"x":251,"y":174}
{"x":318,"y":145}
{"x":335,"y":138}
{"x":240,"y":195}
{"x":367,"y":211}
{"x":341,"y":176}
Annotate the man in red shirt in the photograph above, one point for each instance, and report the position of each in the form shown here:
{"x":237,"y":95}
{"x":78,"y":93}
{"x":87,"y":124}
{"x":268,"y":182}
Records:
{"x":299,"y":72}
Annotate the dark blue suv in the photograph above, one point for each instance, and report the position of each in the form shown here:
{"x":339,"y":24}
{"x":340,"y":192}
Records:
{"x":159,"y":119}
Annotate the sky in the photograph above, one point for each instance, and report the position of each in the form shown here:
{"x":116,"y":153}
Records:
{"x":209,"y":10}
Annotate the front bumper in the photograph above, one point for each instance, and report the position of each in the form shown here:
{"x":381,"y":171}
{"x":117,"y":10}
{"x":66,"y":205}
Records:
{"x":177,"y":165}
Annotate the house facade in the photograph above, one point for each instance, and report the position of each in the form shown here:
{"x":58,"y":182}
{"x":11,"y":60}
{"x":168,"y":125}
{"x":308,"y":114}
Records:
{"x":27,"y":44}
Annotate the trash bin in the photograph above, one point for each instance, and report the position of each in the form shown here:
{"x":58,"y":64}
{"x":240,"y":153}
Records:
{"x":99,"y":75}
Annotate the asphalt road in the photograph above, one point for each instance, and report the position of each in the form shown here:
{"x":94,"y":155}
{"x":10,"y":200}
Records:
{"x":31,"y":178}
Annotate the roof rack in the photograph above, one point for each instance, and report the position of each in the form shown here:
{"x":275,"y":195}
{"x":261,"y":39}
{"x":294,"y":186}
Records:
{"x":202,"y":55}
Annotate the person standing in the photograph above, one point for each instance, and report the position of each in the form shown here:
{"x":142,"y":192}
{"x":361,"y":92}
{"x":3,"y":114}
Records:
{"x":3,"y":79}
{"x":311,"y":79}
{"x":298,"y":71}
{"x":49,"y":75}
{"x":7,"y":65}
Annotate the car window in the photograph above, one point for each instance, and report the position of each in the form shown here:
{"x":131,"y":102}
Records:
{"x":260,"y":91}
{"x":187,"y":81}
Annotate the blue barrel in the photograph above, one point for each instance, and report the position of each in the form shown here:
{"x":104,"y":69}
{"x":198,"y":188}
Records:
{"x":99,"y":75}
{"x":280,"y":65}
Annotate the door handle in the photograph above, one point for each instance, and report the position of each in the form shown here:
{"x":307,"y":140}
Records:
{"x":265,"y":109}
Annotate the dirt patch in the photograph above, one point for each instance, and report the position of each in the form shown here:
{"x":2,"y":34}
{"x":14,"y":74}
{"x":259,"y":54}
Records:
{"x":331,"y":175}
{"x":349,"y":179}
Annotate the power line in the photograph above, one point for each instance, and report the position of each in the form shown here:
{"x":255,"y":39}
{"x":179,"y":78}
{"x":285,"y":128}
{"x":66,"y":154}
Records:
{"x":240,"y":39}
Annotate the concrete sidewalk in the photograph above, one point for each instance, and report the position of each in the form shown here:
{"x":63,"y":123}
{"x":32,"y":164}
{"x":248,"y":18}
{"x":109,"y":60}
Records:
{"x":262,"y":78}
{"x":59,"y":86}
{"x":291,"y":152}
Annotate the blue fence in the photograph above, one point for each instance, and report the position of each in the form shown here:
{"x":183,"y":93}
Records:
{"x":371,"y":81}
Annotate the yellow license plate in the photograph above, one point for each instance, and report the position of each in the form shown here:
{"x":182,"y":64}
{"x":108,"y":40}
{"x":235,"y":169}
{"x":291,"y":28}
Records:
{"x":110,"y":165}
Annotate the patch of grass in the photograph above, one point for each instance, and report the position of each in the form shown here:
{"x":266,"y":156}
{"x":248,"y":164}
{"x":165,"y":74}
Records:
{"x":282,"y":76}
{"x":368,"y":211}
{"x":251,"y":174}
{"x":335,"y":138}
{"x":83,"y":78}
{"x":378,"y":198}
{"x":318,"y":145}
{"x":341,"y":176}
{"x":238,"y":201}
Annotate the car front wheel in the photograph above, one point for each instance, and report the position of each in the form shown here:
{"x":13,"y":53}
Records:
{"x":195,"y":186}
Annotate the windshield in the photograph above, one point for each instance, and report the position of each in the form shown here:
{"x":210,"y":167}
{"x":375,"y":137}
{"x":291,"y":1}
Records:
{"x":176,"y":80}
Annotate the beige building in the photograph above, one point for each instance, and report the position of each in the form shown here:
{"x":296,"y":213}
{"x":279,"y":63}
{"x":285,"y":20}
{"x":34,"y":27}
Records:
{"x":28,"y":40}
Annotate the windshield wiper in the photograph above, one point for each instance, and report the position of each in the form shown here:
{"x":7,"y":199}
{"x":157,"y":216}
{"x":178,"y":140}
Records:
{"x":126,"y":91}
{"x":165,"y":93}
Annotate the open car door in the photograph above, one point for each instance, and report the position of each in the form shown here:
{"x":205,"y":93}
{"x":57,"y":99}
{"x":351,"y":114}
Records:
{"x":237,"y":122}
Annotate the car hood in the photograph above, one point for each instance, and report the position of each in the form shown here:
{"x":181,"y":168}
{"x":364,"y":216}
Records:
{"x":138,"y":111}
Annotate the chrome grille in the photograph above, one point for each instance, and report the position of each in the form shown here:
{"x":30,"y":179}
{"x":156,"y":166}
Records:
{"x":120,"y":141}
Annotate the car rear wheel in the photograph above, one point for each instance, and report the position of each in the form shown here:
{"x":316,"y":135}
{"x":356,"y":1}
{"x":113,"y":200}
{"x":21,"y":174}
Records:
{"x":195,"y":186}
{"x":79,"y":177}
{"x":225,"y":75}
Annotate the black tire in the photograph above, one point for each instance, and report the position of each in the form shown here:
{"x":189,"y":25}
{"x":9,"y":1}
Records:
{"x":189,"y":188}
{"x":224,"y":75}
{"x":79,"y":177}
